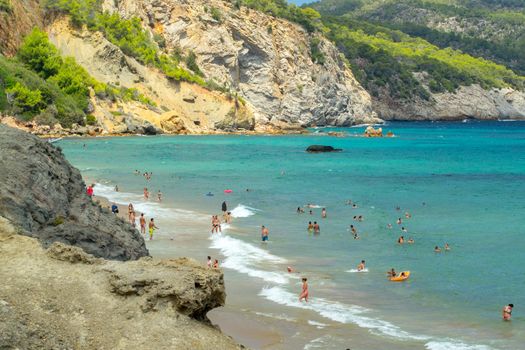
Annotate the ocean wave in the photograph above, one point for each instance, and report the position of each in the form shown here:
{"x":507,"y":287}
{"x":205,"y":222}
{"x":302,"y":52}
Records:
{"x":356,"y":270}
{"x":246,"y":258}
{"x":242,"y":211}
{"x":354,"y":314}
{"x":319,"y":325}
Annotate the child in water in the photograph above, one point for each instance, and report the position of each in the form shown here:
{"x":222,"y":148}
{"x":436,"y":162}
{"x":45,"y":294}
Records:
{"x":304,"y":292}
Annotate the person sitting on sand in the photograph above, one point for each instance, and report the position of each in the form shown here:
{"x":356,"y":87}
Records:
{"x":437,"y":249}
{"x":507,"y":312}
{"x":391,"y":273}
{"x":323,"y":213}
{"x":361,"y":266}
{"x":114,"y":208}
{"x":401,"y":240}
{"x":142,"y":224}
{"x":152,"y":228}
{"x":304,"y":292}
{"x":264,"y":233}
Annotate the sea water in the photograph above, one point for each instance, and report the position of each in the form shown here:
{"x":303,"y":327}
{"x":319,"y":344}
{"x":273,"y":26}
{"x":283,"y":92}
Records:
{"x":462,"y":183}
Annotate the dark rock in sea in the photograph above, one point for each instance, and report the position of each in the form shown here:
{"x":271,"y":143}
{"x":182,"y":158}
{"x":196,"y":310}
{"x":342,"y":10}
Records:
{"x":45,"y":197}
{"x":321,"y":148}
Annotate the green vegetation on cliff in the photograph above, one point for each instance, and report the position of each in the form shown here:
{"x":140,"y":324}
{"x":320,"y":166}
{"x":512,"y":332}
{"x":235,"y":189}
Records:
{"x":39,"y":83}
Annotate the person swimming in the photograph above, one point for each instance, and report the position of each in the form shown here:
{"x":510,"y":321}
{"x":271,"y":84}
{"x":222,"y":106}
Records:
{"x":399,"y":221}
{"x":410,"y":241}
{"x":361,"y":266}
{"x":401,"y":240}
{"x":507,"y":312}
{"x":437,"y":249}
{"x":447,"y":247}
{"x":323,"y":213}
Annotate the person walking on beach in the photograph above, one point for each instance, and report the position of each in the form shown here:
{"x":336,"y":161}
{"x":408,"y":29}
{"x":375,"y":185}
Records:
{"x":142,"y":224}
{"x":131,"y":213}
{"x":159,"y":196}
{"x":90,"y":191}
{"x":146,"y":193}
{"x":152,"y":228}
{"x":264,"y":233}
{"x":507,"y":312}
{"x":304,"y":292}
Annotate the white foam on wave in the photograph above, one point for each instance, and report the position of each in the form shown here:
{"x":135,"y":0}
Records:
{"x":149,"y":208}
{"x":319,"y":325}
{"x":356,"y":270}
{"x":246,"y":258}
{"x":277,"y":316}
{"x":242,"y":211}
{"x":454,"y":345}
{"x":354,"y":314}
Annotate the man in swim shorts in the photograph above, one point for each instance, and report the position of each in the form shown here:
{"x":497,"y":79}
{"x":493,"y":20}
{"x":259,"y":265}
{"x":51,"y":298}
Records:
{"x":142,"y":224}
{"x":152,"y":228}
{"x":264,"y":233}
{"x":361,"y":266}
{"x":507,"y":312}
{"x":316,"y":227}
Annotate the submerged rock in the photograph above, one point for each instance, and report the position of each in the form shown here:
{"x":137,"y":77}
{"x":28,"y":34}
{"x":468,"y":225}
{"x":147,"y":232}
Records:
{"x":44,"y":196}
{"x":321,"y":148}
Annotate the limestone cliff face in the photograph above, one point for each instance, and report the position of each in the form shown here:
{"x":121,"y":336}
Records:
{"x":267,"y":60}
{"x":466,"y":102}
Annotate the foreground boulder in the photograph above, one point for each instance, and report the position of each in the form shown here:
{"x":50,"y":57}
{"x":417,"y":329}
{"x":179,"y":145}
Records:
{"x":320,"y":148}
{"x":44,"y":197}
{"x":64,"y":298}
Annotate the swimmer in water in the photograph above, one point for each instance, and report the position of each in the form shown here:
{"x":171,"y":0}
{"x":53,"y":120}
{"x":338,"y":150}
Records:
{"x":300,"y":210}
{"x":304,"y":292}
{"x":437,"y":249}
{"x":311,"y":212}
{"x":323,"y":213}
{"x":507,"y":312}
{"x":410,"y":241}
{"x":401,"y":240}
{"x":354,"y":206}
{"x":361,"y":266}
{"x":389,"y":226}
{"x":399,"y":221}
{"x":146,"y":193}
{"x":404,"y":229}
{"x":407,"y":215}
{"x":447,"y":247}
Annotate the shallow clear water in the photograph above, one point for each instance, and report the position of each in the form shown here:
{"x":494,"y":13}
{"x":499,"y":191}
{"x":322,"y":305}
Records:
{"x":461,"y":182}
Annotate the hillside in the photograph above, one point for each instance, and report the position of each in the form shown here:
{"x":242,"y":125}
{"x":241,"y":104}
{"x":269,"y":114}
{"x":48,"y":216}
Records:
{"x":167,"y":66}
{"x":433,"y":59}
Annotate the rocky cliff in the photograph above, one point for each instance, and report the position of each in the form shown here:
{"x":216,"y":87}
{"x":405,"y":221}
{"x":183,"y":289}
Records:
{"x":44,"y":196}
{"x":63,"y":298}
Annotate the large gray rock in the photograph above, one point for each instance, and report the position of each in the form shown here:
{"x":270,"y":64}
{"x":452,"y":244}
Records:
{"x":44,"y":196}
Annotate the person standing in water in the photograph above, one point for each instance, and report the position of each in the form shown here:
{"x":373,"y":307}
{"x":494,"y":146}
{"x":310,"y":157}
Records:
{"x":159,"y":196}
{"x":316,"y":227}
{"x":507,"y":312}
{"x":264,"y":233}
{"x":361,"y":266}
{"x":323,"y":213}
{"x":146,"y":193}
{"x":142,"y":224}
{"x":224,"y":207}
{"x":152,"y":228}
{"x":304,"y":292}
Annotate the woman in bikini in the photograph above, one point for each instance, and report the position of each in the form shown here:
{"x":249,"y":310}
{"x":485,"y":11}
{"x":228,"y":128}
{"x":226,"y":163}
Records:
{"x":304,"y":292}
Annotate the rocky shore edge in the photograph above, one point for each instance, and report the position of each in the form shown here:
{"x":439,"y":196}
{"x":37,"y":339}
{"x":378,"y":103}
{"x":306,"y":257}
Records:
{"x":75,"y":276}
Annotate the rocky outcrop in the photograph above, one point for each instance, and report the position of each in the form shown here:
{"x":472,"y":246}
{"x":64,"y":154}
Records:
{"x":265,"y":59}
{"x":467,"y":102}
{"x":44,"y":196}
{"x":322,"y":149}
{"x":63,"y":298}
{"x":17,"y":21}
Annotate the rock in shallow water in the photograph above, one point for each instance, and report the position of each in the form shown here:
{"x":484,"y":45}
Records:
{"x":322,"y":149}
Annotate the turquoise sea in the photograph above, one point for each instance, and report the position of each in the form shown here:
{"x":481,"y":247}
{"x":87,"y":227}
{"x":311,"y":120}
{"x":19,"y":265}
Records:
{"x":462,"y":183}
